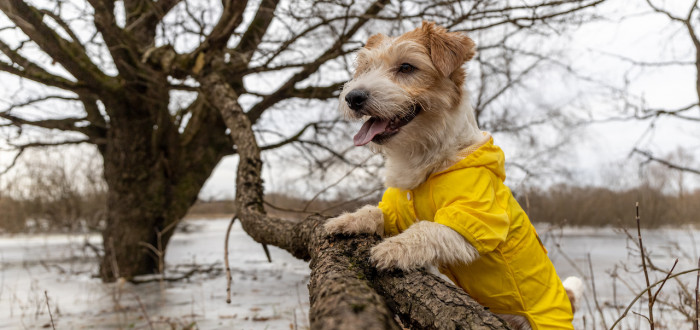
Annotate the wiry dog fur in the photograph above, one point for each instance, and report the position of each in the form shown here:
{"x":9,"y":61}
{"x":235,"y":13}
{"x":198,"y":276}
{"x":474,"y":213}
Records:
{"x":429,"y":142}
{"x":446,"y":125}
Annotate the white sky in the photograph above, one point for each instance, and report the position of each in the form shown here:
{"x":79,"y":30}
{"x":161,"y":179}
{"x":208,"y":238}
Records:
{"x":645,"y":37}
{"x":602,"y":150}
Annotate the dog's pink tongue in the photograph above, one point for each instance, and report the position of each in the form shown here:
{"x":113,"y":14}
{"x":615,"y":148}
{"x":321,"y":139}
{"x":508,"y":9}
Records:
{"x":369,"y":130}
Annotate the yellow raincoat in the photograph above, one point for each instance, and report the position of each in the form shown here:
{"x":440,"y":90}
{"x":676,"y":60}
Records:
{"x":513,"y":274}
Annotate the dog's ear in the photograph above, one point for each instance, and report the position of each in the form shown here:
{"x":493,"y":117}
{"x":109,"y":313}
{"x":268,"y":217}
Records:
{"x":374,"y":40}
{"x":448,"y":50}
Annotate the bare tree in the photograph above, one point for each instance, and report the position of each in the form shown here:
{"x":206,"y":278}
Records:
{"x":121,"y":64}
{"x":165,"y":88}
{"x":126,"y":76}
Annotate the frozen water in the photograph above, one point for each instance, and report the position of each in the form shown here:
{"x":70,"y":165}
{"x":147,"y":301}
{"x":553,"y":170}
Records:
{"x":264,"y":295}
{"x":275,"y":295}
{"x":617,"y":273}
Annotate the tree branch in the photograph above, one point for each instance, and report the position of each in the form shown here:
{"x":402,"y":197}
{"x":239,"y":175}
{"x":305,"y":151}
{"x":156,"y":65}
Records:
{"x":294,"y":137}
{"x":661,"y":11}
{"x":253,"y":36}
{"x":121,"y":45}
{"x":95,"y":134}
{"x":65,"y":28}
{"x":691,"y":33}
{"x":336,"y":49}
{"x":69,"y":54}
{"x":266,"y":68}
{"x":231,"y":17}
{"x":65,"y":124}
{"x":290,"y":41}
{"x":22,"y":147}
{"x":143,"y":27}
{"x":650,"y":158}
{"x":37,"y":100}
{"x":32,"y":71}
{"x":94,"y":115}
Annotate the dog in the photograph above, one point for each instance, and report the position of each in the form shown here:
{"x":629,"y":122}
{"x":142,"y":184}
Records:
{"x":445,"y":203}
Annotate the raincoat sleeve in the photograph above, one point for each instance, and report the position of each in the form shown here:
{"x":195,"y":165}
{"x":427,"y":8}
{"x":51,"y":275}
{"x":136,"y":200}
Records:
{"x":472,"y":208}
{"x":388,"y":206}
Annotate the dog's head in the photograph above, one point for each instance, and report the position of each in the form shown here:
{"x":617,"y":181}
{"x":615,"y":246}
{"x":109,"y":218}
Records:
{"x":410,"y":80}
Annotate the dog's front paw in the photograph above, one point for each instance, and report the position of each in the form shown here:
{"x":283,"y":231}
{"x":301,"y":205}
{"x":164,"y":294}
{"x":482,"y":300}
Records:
{"x":367,"y":220}
{"x":396,"y":253}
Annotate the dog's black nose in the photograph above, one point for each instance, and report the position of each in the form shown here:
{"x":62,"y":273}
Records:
{"x":356,"y":98}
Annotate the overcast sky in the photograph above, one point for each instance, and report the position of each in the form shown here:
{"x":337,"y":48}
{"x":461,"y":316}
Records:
{"x":601,"y":151}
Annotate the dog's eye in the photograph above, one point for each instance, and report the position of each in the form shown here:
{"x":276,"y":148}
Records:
{"x":406,"y":68}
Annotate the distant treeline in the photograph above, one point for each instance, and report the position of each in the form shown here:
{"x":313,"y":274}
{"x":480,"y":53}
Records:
{"x":596,"y":206}
{"x":72,"y":210}
{"x":69,"y":211}
{"x":282,"y":205}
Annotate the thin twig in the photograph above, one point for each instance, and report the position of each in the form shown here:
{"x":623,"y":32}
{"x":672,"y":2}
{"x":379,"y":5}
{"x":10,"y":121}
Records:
{"x":195,"y":270}
{"x":267,"y":252}
{"x":614,"y":288}
{"x":653,"y":300}
{"x":651,"y":158}
{"x":115,"y":265}
{"x":640,"y":294}
{"x":143,"y":310}
{"x":228,"y":268}
{"x":644,"y":267}
{"x":595,"y":296}
{"x":53,"y":326}
{"x":371,"y":192}
{"x":642,"y":316}
{"x":697,"y":300}
{"x":306,"y":207}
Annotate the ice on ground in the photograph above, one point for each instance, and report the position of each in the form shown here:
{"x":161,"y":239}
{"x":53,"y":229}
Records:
{"x":264,"y":295}
{"x":618,"y":276}
{"x":275,"y":295}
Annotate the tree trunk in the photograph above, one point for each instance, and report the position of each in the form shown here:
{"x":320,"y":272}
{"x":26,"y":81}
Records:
{"x":137,"y":232}
{"x":166,"y":171}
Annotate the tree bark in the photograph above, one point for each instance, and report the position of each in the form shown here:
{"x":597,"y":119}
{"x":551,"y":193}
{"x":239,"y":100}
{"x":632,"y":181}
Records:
{"x":345,"y":291}
{"x":153,"y":179}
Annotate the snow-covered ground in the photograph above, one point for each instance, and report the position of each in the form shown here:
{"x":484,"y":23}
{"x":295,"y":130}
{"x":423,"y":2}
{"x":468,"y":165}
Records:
{"x":267,"y":295}
{"x":264,"y":295}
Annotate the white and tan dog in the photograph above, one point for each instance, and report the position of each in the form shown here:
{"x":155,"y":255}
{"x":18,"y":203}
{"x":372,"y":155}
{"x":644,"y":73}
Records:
{"x":410,"y":90}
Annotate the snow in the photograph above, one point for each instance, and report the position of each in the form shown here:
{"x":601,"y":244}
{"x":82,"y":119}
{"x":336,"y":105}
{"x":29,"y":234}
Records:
{"x":268,"y":295}
{"x":264,"y":295}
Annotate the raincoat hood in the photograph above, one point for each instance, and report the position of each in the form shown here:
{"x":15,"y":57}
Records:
{"x":483,"y":154}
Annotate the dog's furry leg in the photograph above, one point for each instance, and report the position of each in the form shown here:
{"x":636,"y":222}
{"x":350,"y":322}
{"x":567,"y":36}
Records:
{"x":517,"y":322}
{"x":423,"y":244}
{"x":369,"y":219}
{"x":574,"y":289}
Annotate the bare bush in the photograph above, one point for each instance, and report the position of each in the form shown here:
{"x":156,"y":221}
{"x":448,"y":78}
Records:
{"x":12,"y":217}
{"x":54,"y":192}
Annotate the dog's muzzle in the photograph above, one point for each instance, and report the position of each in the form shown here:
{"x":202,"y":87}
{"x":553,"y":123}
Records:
{"x":356,"y":99}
